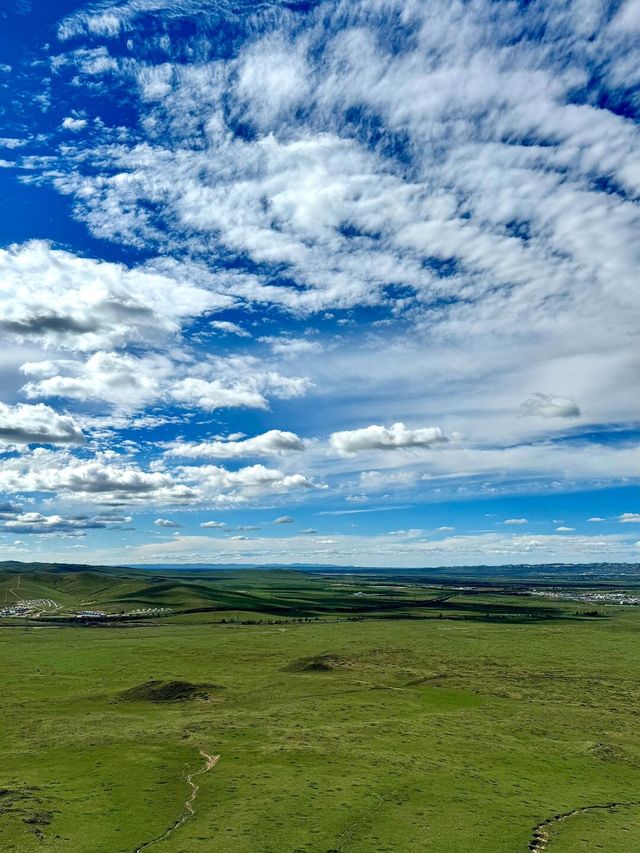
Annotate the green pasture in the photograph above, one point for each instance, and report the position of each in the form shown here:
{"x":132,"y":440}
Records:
{"x":455,"y":730}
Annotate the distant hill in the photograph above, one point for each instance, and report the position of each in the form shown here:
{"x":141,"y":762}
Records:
{"x":64,"y":592}
{"x":538,"y":572}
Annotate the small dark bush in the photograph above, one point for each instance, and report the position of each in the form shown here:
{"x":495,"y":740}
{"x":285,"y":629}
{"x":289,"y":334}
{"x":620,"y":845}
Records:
{"x":167,"y":691}
{"x":318,"y":663}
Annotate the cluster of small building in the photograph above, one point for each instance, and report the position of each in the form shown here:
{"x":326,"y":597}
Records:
{"x":148,"y":611}
{"x":591,"y":597}
{"x":34,"y":607}
{"x":141,"y":611}
{"x":27,"y":607}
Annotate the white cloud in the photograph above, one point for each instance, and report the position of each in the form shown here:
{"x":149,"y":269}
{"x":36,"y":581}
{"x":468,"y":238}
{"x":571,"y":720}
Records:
{"x":63,"y":301}
{"x":252,"y":479}
{"x":37,"y":424}
{"x":11,"y":142}
{"x":312,"y":188}
{"x":565,"y":529}
{"x":36,"y":522}
{"x":274,"y":442}
{"x":339,"y":512}
{"x":388,"y":551}
{"x":105,"y":479}
{"x":166,"y":522}
{"x":411,"y":533}
{"x":241,"y":382}
{"x":284,"y":519}
{"x":549,"y":406}
{"x":129,"y":382}
{"x":122,"y":380}
{"x":516,"y":521}
{"x":213,"y":524}
{"x":213,"y":394}
{"x":385,"y":438}
{"x":74,"y":124}
{"x":467,"y":470}
{"x":228,"y":327}
{"x":273,"y":78}
{"x":627,"y":18}
{"x":629,"y":518}
{"x":493,"y":224}
{"x":381,"y":481}
{"x":596,"y":518}
{"x":110,"y":478}
{"x":292,"y":347}
{"x":107,"y":19}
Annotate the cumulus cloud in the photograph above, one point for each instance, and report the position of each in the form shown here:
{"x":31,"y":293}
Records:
{"x":122,"y":380}
{"x":213,"y":524}
{"x":385,"y":438}
{"x":550,"y":406}
{"x":166,"y":522}
{"x":64,"y":301}
{"x":213,"y":394}
{"x":73,"y":123}
{"x":37,"y":424}
{"x":113,"y":479}
{"x":228,"y":327}
{"x":629,"y":518}
{"x":284,"y":519}
{"x":516,"y":521}
{"x":11,"y":142}
{"x":274,"y":442}
{"x":36,"y":522}
{"x":129,"y":382}
{"x":106,"y":479}
{"x":252,"y":479}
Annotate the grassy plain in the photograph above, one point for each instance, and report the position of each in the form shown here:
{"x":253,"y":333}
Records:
{"x":422,"y":720}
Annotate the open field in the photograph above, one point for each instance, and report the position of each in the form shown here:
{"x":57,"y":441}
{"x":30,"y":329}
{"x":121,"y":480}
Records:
{"x":355,"y":714}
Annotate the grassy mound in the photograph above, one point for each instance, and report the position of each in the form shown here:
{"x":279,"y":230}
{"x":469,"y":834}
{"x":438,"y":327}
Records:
{"x":318,"y":663}
{"x":167,"y":691}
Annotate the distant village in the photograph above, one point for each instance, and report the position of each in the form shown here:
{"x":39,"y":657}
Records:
{"x":590,"y":597}
{"x":28,"y":607}
{"x":33,"y":608}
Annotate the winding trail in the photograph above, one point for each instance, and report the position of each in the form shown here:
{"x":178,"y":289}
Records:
{"x":13,"y":591}
{"x":189,"y":811}
{"x":540,"y":838}
{"x":346,"y":836}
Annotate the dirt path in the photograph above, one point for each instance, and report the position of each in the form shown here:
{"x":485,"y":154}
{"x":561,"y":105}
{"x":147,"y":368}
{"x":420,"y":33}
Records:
{"x":346,"y":836}
{"x":13,"y":591}
{"x":210,"y":761}
{"x":540,"y":838}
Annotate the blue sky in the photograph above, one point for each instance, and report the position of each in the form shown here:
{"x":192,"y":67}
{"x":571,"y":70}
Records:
{"x":320,"y":282}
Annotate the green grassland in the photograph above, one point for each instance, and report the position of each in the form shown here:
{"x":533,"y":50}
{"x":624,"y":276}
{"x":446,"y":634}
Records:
{"x":354,"y":714}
